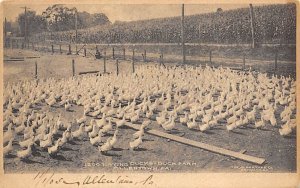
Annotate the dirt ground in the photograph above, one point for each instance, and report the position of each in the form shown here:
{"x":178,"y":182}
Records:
{"x":60,"y":65}
{"x":156,"y":154}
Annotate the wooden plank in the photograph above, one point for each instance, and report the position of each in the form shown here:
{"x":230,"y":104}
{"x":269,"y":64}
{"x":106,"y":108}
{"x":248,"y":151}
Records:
{"x":32,"y":57}
{"x":215,"y":149}
{"x":88,"y":72}
{"x":242,"y":151}
{"x":14,"y":60}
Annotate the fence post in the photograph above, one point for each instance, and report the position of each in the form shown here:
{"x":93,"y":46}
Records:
{"x":113,"y":53}
{"x":124,"y":55}
{"x":145,"y":55}
{"x":11,"y":44}
{"x":76,"y":49}
{"x":70,"y":51}
{"x":117,"y":62}
{"x":60,"y":48}
{"x":104,"y":62}
{"x":252,"y":21}
{"x":210,"y":54}
{"x":244,"y":62}
{"x":73,"y":67}
{"x":133,"y":61}
{"x":35,"y":72}
{"x":52,"y":48}
{"x":161,"y":59}
{"x":276,"y":58}
{"x":84,"y":51}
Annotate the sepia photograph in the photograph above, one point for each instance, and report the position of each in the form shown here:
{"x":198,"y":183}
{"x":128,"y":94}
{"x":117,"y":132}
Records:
{"x":123,"y":90}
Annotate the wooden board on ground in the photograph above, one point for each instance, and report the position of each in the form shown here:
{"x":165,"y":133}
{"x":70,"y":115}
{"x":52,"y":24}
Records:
{"x":88,"y":72}
{"x":215,"y":149}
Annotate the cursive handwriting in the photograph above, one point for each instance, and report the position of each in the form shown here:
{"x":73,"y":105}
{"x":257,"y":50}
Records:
{"x":47,"y":179}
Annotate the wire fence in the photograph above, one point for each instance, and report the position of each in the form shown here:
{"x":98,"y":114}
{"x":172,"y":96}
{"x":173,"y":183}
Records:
{"x":116,"y":58}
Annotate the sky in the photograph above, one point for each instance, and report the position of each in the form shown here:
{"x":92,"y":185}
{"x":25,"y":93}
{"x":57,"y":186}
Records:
{"x":127,"y":12}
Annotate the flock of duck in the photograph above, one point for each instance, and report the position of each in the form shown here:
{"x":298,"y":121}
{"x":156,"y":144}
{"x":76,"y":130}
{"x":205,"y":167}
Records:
{"x":195,"y":97}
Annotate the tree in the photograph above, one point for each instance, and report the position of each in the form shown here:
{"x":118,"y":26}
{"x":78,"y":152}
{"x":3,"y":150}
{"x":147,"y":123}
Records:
{"x":35,"y":23}
{"x":60,"y":18}
{"x":100,"y":19}
{"x":86,"y":20}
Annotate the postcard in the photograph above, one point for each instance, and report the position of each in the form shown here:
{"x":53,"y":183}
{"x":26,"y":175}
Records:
{"x":149,"y":94}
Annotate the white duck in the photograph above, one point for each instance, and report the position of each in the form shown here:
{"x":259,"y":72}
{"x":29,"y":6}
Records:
{"x":149,"y":114}
{"x":162,"y":119}
{"x":82,"y":119}
{"x":95,"y":131}
{"x":135,"y":117}
{"x":47,"y":142}
{"x":169,"y":125}
{"x":8,"y":148}
{"x":121,"y":122}
{"x":192,"y":124}
{"x":26,"y":143}
{"x":206,"y":118}
{"x":113,"y":141}
{"x":204,"y":127}
{"x":79,"y":132}
{"x":53,"y":150}
{"x":184,"y":119}
{"x":23,"y":154}
{"x":231,"y":126}
{"x":140,"y":132}
{"x":97,"y":139}
{"x":89,"y":127}
{"x":106,"y":146}
{"x":259,"y":124}
{"x":108,"y":127}
{"x":10,"y":133}
{"x":136,"y":143}
{"x":102,"y":121}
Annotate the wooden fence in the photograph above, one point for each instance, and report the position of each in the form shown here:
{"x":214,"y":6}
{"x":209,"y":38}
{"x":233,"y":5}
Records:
{"x":118,"y":54}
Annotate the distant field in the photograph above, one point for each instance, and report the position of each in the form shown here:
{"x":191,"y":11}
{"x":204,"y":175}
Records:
{"x":273,"y":24}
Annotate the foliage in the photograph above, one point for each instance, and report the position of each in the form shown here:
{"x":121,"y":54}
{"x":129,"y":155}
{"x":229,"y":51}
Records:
{"x":273,"y":24}
{"x":35,"y":23}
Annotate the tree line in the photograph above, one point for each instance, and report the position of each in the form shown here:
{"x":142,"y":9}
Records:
{"x":54,"y":18}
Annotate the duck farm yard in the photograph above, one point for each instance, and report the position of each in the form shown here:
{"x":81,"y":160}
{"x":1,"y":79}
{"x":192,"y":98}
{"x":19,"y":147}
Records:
{"x":175,"y":108}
